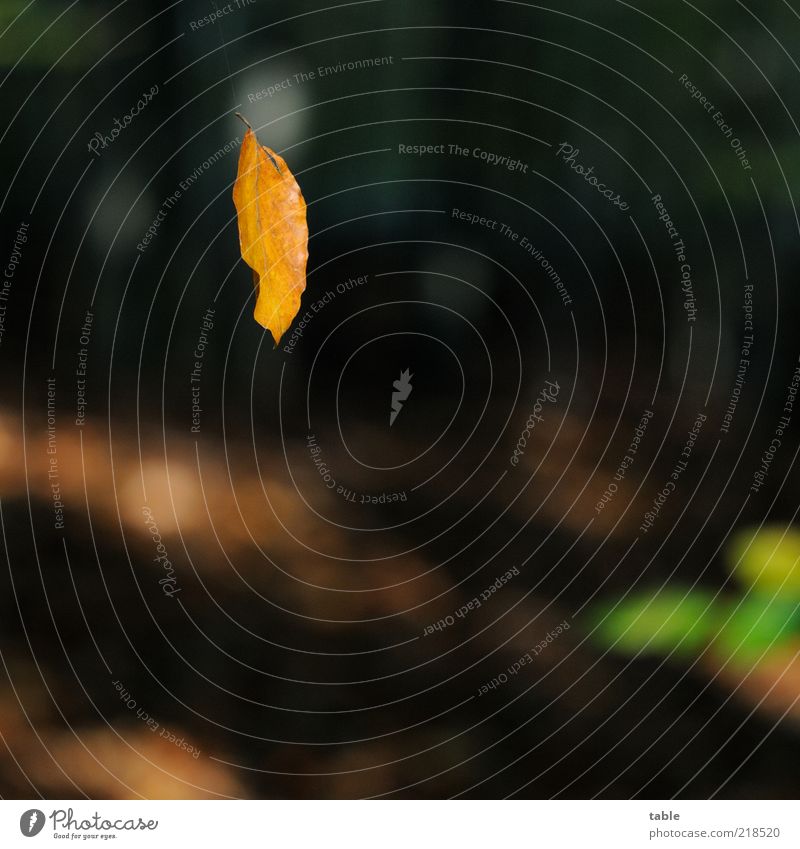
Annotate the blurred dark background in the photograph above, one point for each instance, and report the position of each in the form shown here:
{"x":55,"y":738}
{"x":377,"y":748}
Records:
{"x":294,"y":656}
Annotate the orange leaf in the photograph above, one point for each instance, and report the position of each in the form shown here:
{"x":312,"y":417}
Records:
{"x":273,"y":234}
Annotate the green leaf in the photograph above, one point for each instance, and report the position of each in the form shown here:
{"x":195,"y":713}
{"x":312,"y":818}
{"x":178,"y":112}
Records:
{"x":767,"y":560}
{"x":758,"y":624}
{"x":676,"y":619}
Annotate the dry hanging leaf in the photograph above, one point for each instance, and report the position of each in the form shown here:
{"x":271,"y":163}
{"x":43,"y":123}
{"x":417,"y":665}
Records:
{"x":273,"y":234}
